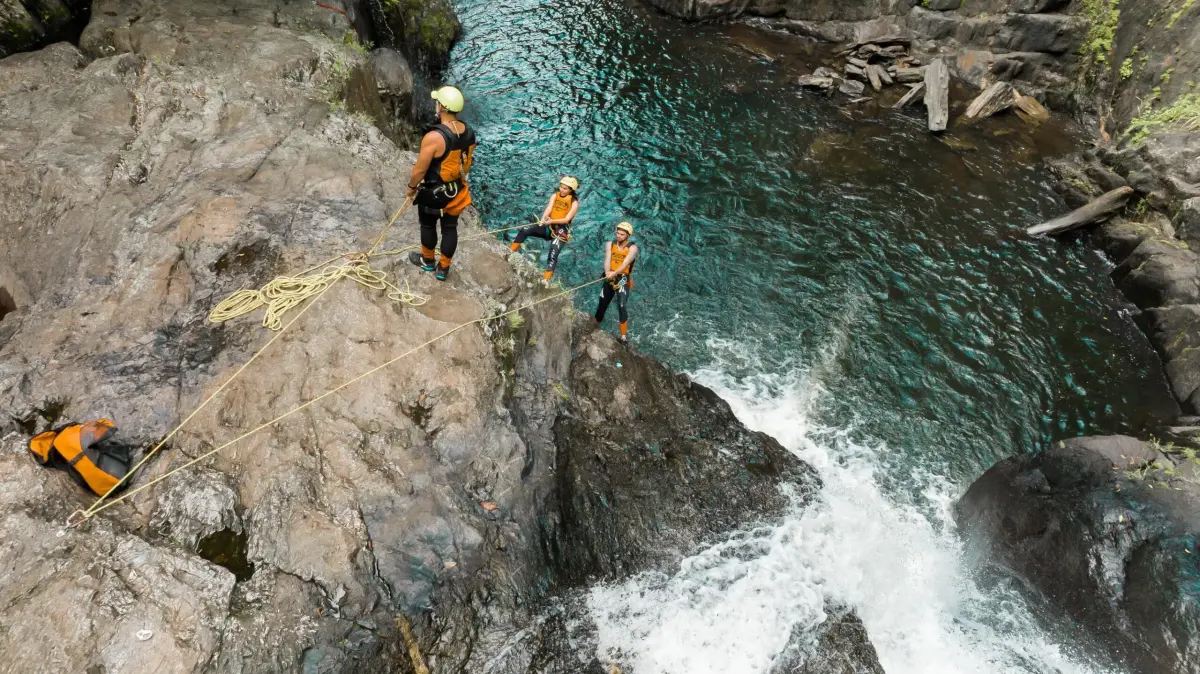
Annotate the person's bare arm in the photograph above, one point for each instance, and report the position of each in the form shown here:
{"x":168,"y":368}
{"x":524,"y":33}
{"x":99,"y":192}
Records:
{"x":608,"y":259}
{"x":633,"y":251}
{"x":431,"y":146}
{"x":546,"y":213}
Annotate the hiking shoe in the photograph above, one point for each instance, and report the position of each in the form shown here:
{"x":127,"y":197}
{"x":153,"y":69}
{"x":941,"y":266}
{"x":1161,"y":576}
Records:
{"x":415,"y":258}
{"x":441,"y":272}
{"x":624,"y":340}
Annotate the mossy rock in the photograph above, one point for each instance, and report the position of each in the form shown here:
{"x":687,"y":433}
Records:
{"x":19,"y":30}
{"x":425,"y":29}
{"x":32,"y":24}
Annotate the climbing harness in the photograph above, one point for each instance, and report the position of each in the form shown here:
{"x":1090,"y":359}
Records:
{"x":561,"y":233}
{"x":286,"y":293}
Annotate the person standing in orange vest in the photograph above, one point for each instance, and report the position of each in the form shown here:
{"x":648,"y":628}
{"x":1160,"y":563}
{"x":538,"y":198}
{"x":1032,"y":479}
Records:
{"x":555,"y":225}
{"x":619,"y":256}
{"x":438,"y":185}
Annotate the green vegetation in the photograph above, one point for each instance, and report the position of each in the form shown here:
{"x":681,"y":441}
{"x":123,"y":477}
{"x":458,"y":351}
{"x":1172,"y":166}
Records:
{"x":1102,"y":17}
{"x":1127,"y":68}
{"x":351,"y":41}
{"x":1183,"y":113}
{"x":1082,"y":185}
{"x":428,"y":27}
{"x":1187,"y":4}
{"x":334,"y":88}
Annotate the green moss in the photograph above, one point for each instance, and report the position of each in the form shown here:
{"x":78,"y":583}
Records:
{"x":1102,"y":17}
{"x":1187,"y":4}
{"x":55,"y":15}
{"x":18,"y":33}
{"x":1082,"y":185}
{"x":429,"y":27}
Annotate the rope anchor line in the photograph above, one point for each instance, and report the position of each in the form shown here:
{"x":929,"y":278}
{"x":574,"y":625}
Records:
{"x":281,"y":295}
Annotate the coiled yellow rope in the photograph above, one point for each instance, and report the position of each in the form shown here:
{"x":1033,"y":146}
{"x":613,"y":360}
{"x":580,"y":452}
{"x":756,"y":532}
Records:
{"x":285,"y":293}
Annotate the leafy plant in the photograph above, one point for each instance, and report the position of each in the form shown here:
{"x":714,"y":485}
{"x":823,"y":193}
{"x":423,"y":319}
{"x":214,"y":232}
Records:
{"x":1184,"y":113}
{"x":1102,"y":17}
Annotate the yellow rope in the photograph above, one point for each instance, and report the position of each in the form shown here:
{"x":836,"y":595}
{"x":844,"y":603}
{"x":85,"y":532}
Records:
{"x":281,"y":295}
{"x":285,"y":293}
{"x":243,"y":300}
{"x":414,"y":649}
{"x":99,"y":506}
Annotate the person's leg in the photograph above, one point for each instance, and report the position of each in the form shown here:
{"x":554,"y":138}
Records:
{"x":556,"y":246}
{"x":449,"y":244}
{"x":428,"y":221}
{"x":606,"y":296}
{"x":623,"y":310}
{"x":540,"y":231}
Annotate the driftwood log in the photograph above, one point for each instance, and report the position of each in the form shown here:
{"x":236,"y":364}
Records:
{"x":1094,"y":211}
{"x":1030,"y":110}
{"x":937,"y":95}
{"x":911,"y":96}
{"x":996,"y":98}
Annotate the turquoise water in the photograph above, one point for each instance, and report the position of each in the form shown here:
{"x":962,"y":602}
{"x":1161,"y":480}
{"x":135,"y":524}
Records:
{"x":850,"y":283}
{"x":769,"y":219}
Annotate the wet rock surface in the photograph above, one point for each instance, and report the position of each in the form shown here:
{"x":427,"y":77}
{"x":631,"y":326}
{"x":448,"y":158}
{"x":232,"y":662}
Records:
{"x":651,"y":466}
{"x":1108,"y":528}
{"x":187,"y":150}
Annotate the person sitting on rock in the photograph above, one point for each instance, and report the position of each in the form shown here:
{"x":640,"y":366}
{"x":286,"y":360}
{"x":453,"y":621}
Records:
{"x":438,"y":185}
{"x":555,"y":225}
{"x":619,"y":256}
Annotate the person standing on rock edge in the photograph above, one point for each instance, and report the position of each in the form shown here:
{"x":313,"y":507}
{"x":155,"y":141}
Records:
{"x":438,"y":185}
{"x":555,"y":225}
{"x":619,"y":256}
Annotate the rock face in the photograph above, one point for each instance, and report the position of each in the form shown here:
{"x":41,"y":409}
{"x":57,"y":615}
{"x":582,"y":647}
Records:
{"x":624,"y":430}
{"x":424,"y":30}
{"x":1108,"y":528}
{"x":25,"y":24}
{"x":187,"y":150}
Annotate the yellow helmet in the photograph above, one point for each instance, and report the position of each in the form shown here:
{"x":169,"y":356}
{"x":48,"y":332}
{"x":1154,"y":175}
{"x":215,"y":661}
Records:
{"x":449,"y":97}
{"x":569,"y":181}
{"x":626,"y":227}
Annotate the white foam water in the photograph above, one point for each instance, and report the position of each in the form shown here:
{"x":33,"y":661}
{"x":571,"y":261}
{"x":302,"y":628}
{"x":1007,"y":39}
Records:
{"x":731,"y":608}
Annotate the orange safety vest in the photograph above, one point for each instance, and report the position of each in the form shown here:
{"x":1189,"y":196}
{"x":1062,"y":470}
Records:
{"x":83,"y":451}
{"x":449,"y":171}
{"x":562,"y":206}
{"x":617,"y":255}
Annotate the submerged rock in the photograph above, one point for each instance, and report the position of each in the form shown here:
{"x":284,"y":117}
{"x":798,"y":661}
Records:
{"x":1107,"y":528}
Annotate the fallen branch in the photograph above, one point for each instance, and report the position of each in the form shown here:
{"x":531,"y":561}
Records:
{"x":995,"y":99}
{"x":911,"y":97}
{"x":1094,"y":211}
